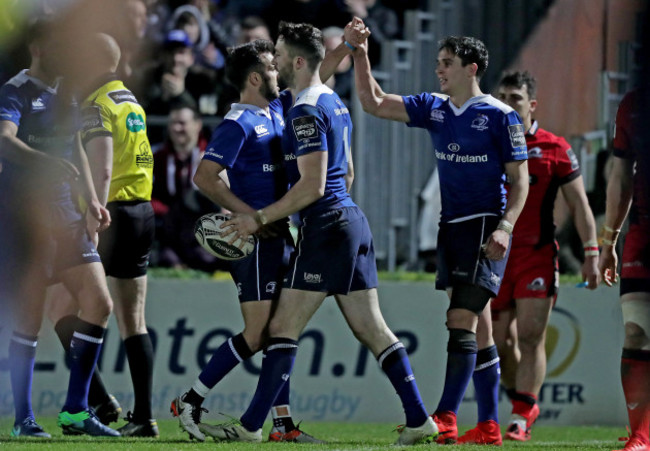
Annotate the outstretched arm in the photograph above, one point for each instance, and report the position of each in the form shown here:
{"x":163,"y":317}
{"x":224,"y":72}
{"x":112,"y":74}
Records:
{"x":373,"y":99}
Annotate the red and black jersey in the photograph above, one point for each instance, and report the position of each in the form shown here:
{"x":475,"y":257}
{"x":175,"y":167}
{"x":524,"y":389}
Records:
{"x":627,"y":146}
{"x":551,"y":163}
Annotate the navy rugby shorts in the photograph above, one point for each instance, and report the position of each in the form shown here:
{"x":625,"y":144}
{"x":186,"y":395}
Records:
{"x":461,"y":258}
{"x":334,"y":253}
{"x":258,"y":277}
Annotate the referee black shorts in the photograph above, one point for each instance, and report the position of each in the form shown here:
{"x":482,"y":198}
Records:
{"x":126,"y":244}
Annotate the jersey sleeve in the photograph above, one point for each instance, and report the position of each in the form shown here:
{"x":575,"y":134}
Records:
{"x":418,"y":108}
{"x":95,"y":122}
{"x":11,"y":105}
{"x":622,"y":133}
{"x":567,"y":167}
{"x":513,"y":138}
{"x":308,"y":130}
{"x":226,"y":142}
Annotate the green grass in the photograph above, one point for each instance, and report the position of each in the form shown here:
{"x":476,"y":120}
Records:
{"x":341,"y":436}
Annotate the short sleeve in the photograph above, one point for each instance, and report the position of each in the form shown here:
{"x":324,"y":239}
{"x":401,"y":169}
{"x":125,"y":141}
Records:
{"x":567,"y":165}
{"x":419,"y":109}
{"x":513,"y":138}
{"x":95,"y":122}
{"x":226,"y":142}
{"x":308,"y":129}
{"x":10,"y":105}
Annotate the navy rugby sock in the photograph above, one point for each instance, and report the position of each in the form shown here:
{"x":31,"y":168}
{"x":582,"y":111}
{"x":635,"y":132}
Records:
{"x":486,"y":384}
{"x":64,"y":329}
{"x":461,"y":360}
{"x":84,"y":350}
{"x":395,"y":363}
{"x":22,"y":353}
{"x":276,"y":369}
{"x":225,"y":358}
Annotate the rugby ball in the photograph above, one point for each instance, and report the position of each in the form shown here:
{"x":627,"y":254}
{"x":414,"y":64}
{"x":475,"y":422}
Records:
{"x":207,"y":231}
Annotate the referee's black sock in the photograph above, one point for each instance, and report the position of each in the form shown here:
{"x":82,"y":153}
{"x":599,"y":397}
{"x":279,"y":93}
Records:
{"x":139,"y":352}
{"x":64,"y":328}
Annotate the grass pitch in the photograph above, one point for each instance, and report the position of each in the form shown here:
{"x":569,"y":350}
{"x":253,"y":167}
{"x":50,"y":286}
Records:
{"x":341,"y":436}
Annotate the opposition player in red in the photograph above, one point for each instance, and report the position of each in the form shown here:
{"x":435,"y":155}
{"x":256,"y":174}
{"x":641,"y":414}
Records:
{"x":626,"y":196}
{"x":521,"y":311}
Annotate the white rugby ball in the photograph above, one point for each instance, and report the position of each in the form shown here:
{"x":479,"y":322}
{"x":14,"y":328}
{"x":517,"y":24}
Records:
{"x":207,"y":231}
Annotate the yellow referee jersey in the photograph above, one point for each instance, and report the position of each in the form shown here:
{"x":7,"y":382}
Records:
{"x":113,"y":110}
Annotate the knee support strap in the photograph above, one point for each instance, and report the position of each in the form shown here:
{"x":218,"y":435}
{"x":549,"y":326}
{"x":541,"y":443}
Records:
{"x":462,"y":341}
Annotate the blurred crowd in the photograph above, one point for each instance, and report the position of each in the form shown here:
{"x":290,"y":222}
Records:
{"x":173,"y":58}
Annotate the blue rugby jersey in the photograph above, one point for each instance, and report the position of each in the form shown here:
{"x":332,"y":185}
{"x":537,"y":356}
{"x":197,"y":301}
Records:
{"x":248,"y":144}
{"x":472,"y":145}
{"x":320,"y":122}
{"x":44,"y":123}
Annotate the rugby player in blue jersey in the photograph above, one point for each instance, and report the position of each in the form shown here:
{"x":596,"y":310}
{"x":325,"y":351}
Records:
{"x":336,"y":255}
{"x":39,"y":144}
{"x":477,"y":140}
{"x":247,"y":146}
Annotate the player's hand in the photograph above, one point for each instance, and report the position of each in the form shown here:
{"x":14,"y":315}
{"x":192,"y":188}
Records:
{"x":607,"y":264}
{"x":356,"y":33}
{"x":100,"y":214}
{"x":496,"y":246}
{"x":243,"y":224}
{"x":590,"y":272}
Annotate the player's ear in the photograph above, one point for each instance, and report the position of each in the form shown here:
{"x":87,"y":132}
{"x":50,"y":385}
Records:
{"x":472,"y":69}
{"x":254,"y":78}
{"x":533,"y":105}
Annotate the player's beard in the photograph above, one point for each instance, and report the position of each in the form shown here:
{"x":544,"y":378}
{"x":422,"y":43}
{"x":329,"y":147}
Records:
{"x":286,"y":78}
{"x":267,"y":91}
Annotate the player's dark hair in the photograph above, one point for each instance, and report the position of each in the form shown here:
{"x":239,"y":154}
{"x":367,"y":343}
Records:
{"x":469,"y":50}
{"x":304,"y":40}
{"x":518,"y":79}
{"x":251,"y":22}
{"x":244,"y":59}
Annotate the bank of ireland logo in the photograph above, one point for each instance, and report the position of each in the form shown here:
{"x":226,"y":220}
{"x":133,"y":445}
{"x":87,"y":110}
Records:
{"x":563,"y":337}
{"x":135,"y":122}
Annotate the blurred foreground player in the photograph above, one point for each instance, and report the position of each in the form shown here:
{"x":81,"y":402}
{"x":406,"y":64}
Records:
{"x":626,"y":196}
{"x":39,"y":144}
{"x":114,"y":136}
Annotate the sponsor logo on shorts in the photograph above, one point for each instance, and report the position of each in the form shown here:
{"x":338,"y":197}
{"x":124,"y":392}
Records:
{"x":495,"y":279}
{"x":437,"y":116}
{"x":271,"y":287}
{"x":535,"y":152}
{"x":313,"y":278}
{"x":239,"y":289}
{"x":517,"y":135}
{"x":480,"y":122}
{"x":538,"y":284}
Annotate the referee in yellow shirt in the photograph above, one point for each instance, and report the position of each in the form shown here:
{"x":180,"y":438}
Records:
{"x":115,"y":138}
